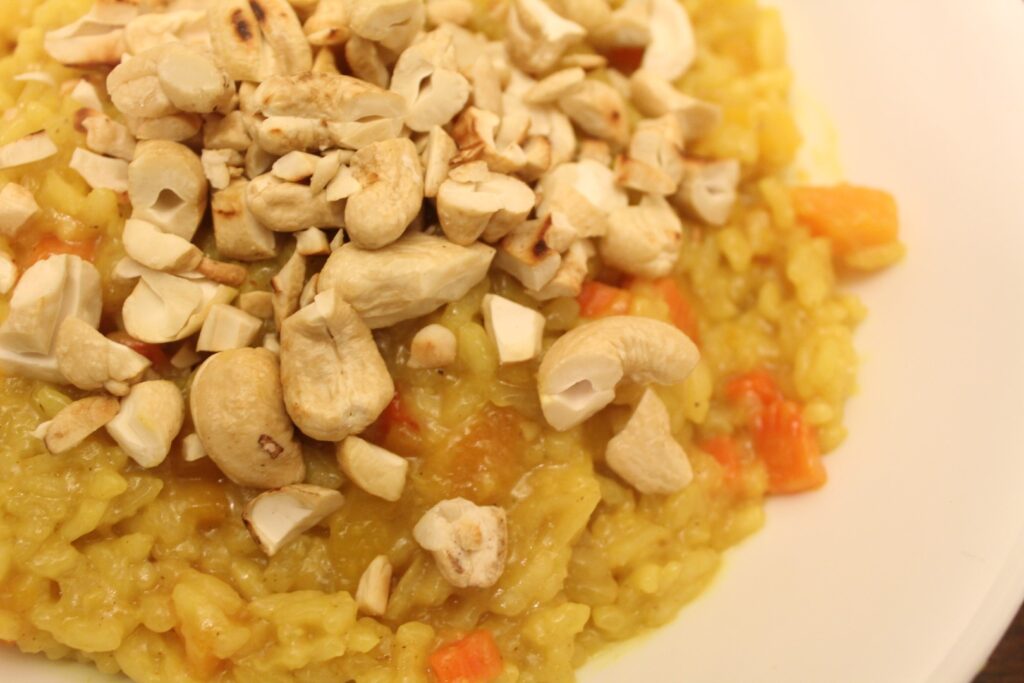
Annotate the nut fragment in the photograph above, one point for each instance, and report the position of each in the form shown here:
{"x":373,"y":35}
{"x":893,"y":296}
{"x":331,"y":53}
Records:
{"x":646,"y":454}
{"x":437,"y":158}
{"x":17,"y":207}
{"x":391,"y":192}
{"x":246,"y":433}
{"x":150,"y":30}
{"x":426,"y":77}
{"x":148,"y":420}
{"x":26,"y":150}
{"x":230,"y":274}
{"x":643,"y":240}
{"x":580,"y":371}
{"x":167,"y":187}
{"x":8,"y":273}
{"x":708,"y":189}
{"x":227,"y":327}
{"x":568,"y":281}
{"x":221,"y":166}
{"x":654,"y":163}
{"x":655,"y":96}
{"x":469,"y":542}
{"x":259,"y":304}
{"x":516,"y":330}
{"x":457,"y":12}
{"x":409,"y":278}
{"x":226,"y":132}
{"x":552,"y":87}
{"x":256,"y":39}
{"x":528,"y":255}
{"x":289,"y":207}
{"x":287,"y":287}
{"x":366,"y":61}
{"x":77,"y":421}
{"x":95,"y":38}
{"x":91,"y":361}
{"x":537,"y":36}
{"x":105,"y":136}
{"x":433,"y":347}
{"x":100,"y":172}
{"x":192,"y":448}
{"x":673,"y":46}
{"x":585,"y":192}
{"x":159,"y":250}
{"x":276,"y":518}
{"x":169,"y":79}
{"x":374,"y":587}
{"x":312,"y":242}
{"x":392,"y":23}
{"x":475,"y":202}
{"x":164,"y":307}
{"x":295,"y":166}
{"x":478,"y":136}
{"x":237,"y":233}
{"x":598,"y":109}
{"x":328,"y":25}
{"x":375,"y":470}
{"x":335,"y":380}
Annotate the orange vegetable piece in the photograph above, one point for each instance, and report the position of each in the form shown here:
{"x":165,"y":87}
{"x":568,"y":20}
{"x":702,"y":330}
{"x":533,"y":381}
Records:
{"x":625,"y":59}
{"x":852,"y":217}
{"x":597,"y":300}
{"x":726,"y":452}
{"x":50,"y":244}
{"x":782,"y":440}
{"x":679,"y":307}
{"x":396,"y":429}
{"x":474,"y":659}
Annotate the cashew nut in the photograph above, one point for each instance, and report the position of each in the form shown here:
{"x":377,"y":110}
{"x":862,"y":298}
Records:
{"x":434,"y":103}
{"x":469,"y":542}
{"x":580,"y":371}
{"x":457,"y":12}
{"x":654,"y":164}
{"x":437,"y":159}
{"x":673,"y":46}
{"x":174,"y":128}
{"x":221,"y":166}
{"x":26,"y":150}
{"x":374,"y":587}
{"x":256,"y":39}
{"x":159,"y":250}
{"x":328,"y":25}
{"x":392,"y":23}
{"x":91,"y":361}
{"x":100,"y":172}
{"x":335,"y":380}
{"x":287,"y":287}
{"x":276,"y":518}
{"x":643,"y":240}
{"x":150,"y":30}
{"x":432,"y":347}
{"x":105,"y":136}
{"x":655,"y":96}
{"x":708,"y":189}
{"x":552,"y":87}
{"x":169,"y":79}
{"x":192,"y":448}
{"x":568,"y":281}
{"x":537,"y":36}
{"x":164,"y":308}
{"x":167,"y":187}
{"x":516,"y":330}
{"x":475,"y":202}
{"x":366,"y":61}
{"x":226,"y":132}
{"x":77,"y":421}
{"x":149,"y":419}
{"x":17,"y":207}
{"x":477,"y":134}
{"x":312,"y":242}
{"x":391,"y":179}
{"x":406,"y":279}
{"x":585,"y":192}
{"x":237,"y":233}
{"x":257,"y":303}
{"x":375,"y":470}
{"x":599,"y":110}
{"x":531,"y":252}
{"x":646,"y":454}
{"x":290,"y":207}
{"x":227,"y":327}
{"x":96,"y":38}
{"x":247,"y":433}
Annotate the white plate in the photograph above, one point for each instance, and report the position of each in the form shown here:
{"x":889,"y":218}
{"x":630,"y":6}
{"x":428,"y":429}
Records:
{"x":909,"y":565}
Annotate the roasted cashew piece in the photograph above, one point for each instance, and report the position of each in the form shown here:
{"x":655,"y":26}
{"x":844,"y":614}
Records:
{"x":18,"y":205}
{"x":537,"y":36}
{"x":643,"y":240}
{"x":290,"y":207}
{"x":246,"y":433}
{"x":598,"y":109}
{"x":167,"y":187}
{"x":276,"y":518}
{"x":91,"y":361}
{"x":375,"y":587}
{"x":581,"y":370}
{"x":469,"y":542}
{"x":236,"y":231}
{"x":96,"y":38}
{"x":392,"y":23}
{"x":256,"y":39}
{"x":391,"y":180}
{"x":708,"y":189}
{"x":646,"y":454}
{"x":426,"y":77}
{"x":335,"y":380}
{"x":77,"y":421}
{"x":149,"y":419}
{"x":375,"y":470}
{"x":474,"y":202}
{"x":673,"y":46}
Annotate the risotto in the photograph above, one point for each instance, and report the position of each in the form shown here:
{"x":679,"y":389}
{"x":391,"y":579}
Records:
{"x":389,"y":341}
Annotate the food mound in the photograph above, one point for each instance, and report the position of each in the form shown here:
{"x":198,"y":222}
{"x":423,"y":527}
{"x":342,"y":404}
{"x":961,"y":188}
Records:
{"x":401,"y":340}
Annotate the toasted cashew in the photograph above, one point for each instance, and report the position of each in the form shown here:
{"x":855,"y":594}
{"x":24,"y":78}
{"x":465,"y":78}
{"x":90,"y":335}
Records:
{"x":237,"y":233}
{"x":148,"y":420}
{"x":628,"y":26}
{"x":26,"y":150}
{"x":257,"y":303}
{"x":227,"y":327}
{"x":246,"y":433}
{"x":96,"y":38}
{"x":391,"y":180}
{"x":655,"y":96}
{"x":276,"y":518}
{"x":100,"y":172}
{"x":192,"y":448}
{"x":159,"y":250}
{"x":643,"y":240}
{"x":169,"y":79}
{"x":599,"y":110}
{"x":226,"y":132}
{"x":290,"y":207}
{"x":433,"y":347}
{"x":167,"y":187}
{"x":433,"y":58}
{"x":475,"y":202}
{"x":568,"y":281}
{"x":646,"y":454}
{"x":477,"y":134}
{"x":537,"y":36}
{"x":673,"y":46}
{"x":469,"y":542}
{"x":105,"y":136}
{"x":150,"y":30}
{"x":708,"y":189}
{"x":374,"y":587}
{"x":164,"y":307}
{"x":77,"y":421}
{"x":527,"y":255}
{"x":254,"y":40}
{"x":287,"y":287}
{"x":516,"y":330}
{"x":335,"y":380}
{"x":409,"y":278}
{"x":375,"y":470}
{"x":554,"y":86}
{"x":328,"y":25}
{"x":221,"y":166}
{"x":457,"y":12}
{"x":174,"y":128}
{"x":392,"y":23}
{"x":580,"y":371}
{"x":584,"y":192}
{"x":654,"y":163}
{"x":312,"y":242}
{"x":365,"y":59}
{"x":437,"y":158}
{"x":17,"y":207}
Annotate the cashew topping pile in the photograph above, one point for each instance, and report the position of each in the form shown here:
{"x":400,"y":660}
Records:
{"x":396,"y":157}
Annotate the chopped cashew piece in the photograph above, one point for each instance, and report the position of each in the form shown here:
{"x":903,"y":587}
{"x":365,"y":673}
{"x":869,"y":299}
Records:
{"x":259,"y":304}
{"x":580,"y":371}
{"x":149,"y":419}
{"x":328,"y":24}
{"x":167,"y":187}
{"x":598,"y":109}
{"x":312,"y":242}
{"x":169,"y":79}
{"x":335,"y":381}
{"x":537,"y":36}
{"x":525,"y":255}
{"x":646,"y":454}
{"x":327,"y":168}
{"x":437,"y":159}
{"x":708,"y":189}
{"x":230,"y":274}
{"x":469,"y":542}
{"x":100,"y":172}
{"x":186,"y":356}
{"x":554,"y":86}
{"x":374,"y":587}
{"x":643,"y":240}
{"x":626,"y":27}
{"x":33,"y":147}
{"x":254,"y":41}
{"x":457,"y":12}
{"x":673,"y":46}
{"x":85,"y":93}
{"x":236,"y":231}
{"x":655,"y":96}
{"x":290,"y":207}
{"x":515,"y":329}
{"x":342,"y":186}
{"x":77,"y":421}
{"x":164,"y":307}
{"x":8,"y":273}
{"x":390,"y":177}
{"x":654,"y":164}
{"x":366,"y":61}
{"x":192,"y":448}
{"x":159,"y":250}
{"x":295,"y":166}
{"x":221,"y":166}
{"x":406,"y":279}
{"x":309,"y":291}
{"x":276,"y":518}
{"x":227,"y":327}
{"x":150,"y":30}
{"x":226,"y":132}
{"x":91,"y":361}
{"x":375,"y":470}
{"x":173,"y":128}
{"x":106,"y":136}
{"x":17,"y":207}
{"x":433,"y":347}
{"x":96,"y":38}
{"x":479,"y":135}
{"x":392,"y":23}
{"x":475,"y":202}
{"x":287,"y":286}
{"x":426,"y":78}
{"x":585,"y":192}
{"x":568,"y":281}
{"x":247,"y":434}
